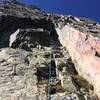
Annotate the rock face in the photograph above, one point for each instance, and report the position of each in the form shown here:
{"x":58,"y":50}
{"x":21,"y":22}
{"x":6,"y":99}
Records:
{"x":17,"y":79}
{"x":29,"y":38}
{"x":37,"y":48}
{"x":84,"y":49}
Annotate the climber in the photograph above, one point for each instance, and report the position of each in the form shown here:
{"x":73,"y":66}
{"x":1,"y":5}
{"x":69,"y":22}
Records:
{"x":51,"y":27}
{"x":50,"y":24}
{"x":49,"y":18}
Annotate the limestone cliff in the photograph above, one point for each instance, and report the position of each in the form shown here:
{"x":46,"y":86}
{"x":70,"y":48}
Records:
{"x":83,"y":44}
{"x":34,"y":44}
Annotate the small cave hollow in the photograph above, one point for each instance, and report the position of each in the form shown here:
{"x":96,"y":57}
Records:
{"x":97,"y":54}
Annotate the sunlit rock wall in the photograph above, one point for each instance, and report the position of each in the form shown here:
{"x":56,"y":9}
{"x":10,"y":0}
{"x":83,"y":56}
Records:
{"x":85,"y":52}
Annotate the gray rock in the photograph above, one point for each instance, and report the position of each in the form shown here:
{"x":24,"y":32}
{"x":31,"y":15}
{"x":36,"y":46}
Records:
{"x":24,"y":70}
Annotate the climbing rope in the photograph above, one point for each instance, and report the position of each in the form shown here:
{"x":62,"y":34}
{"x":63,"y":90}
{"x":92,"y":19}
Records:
{"x":49,"y":80}
{"x":50,"y":72}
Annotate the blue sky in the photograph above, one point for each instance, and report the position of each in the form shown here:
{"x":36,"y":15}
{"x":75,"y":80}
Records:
{"x":82,"y":8}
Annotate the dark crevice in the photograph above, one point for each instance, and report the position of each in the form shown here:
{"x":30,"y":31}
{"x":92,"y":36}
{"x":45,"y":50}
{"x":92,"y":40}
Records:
{"x":9,"y":24}
{"x":70,"y":68}
{"x":86,"y":37}
{"x":43,"y":72}
{"x":55,"y":88}
{"x":27,"y":61}
{"x":97,"y":54}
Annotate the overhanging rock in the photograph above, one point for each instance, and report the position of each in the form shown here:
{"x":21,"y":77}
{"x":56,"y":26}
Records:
{"x":84,"y":49}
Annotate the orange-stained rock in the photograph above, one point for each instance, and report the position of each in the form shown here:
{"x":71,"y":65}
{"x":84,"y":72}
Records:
{"x":85,"y":52}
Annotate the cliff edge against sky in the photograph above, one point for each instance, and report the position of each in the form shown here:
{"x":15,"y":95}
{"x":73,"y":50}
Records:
{"x":41,"y":51}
